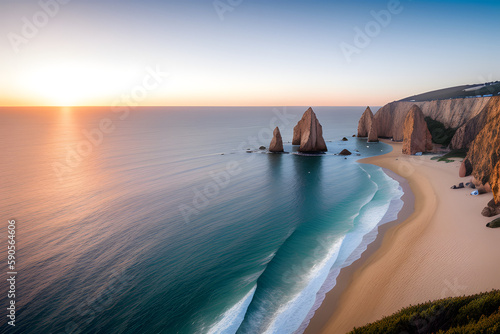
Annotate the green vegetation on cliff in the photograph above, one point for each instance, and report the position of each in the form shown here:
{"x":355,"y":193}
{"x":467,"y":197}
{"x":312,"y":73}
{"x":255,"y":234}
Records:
{"x":472,"y":314}
{"x":440,"y":133}
{"x":486,"y":89}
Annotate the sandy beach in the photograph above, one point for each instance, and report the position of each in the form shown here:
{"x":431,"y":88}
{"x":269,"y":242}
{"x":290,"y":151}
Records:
{"x":439,"y":247}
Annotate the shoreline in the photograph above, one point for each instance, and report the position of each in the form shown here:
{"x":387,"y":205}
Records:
{"x":420,"y":256}
{"x":332,"y":297}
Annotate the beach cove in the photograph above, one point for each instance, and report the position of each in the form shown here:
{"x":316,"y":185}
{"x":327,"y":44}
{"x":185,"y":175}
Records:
{"x":441,"y":250}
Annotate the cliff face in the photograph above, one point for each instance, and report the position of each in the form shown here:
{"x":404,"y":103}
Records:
{"x":365,"y":123}
{"x":495,"y":183}
{"x":417,"y":137}
{"x":484,"y":151}
{"x":308,"y":133}
{"x":373,"y":133}
{"x":277,"y":142}
{"x":452,"y":113}
{"x":468,"y":132}
{"x":367,"y":126}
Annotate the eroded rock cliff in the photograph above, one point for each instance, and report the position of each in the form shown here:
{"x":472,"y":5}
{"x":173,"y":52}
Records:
{"x":452,"y":113}
{"x":468,"y":132}
{"x":484,"y":151}
{"x":308,"y":133}
{"x":367,"y":126}
{"x":416,"y":135}
{"x":365,"y":123}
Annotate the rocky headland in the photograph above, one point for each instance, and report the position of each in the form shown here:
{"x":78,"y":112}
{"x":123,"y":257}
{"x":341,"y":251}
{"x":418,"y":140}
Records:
{"x":477,"y":125}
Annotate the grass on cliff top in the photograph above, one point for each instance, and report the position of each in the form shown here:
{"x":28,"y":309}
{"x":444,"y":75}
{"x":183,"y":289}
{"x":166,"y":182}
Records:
{"x":492,"y":88}
{"x":472,"y":314}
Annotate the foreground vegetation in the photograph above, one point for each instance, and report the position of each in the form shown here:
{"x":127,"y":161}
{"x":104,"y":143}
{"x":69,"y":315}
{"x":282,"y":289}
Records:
{"x":472,"y":314}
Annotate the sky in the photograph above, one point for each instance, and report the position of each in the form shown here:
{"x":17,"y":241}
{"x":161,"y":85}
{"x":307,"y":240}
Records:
{"x":242,"y":52}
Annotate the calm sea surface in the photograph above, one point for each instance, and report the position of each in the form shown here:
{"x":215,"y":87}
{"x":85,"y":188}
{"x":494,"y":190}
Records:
{"x":157,"y":220}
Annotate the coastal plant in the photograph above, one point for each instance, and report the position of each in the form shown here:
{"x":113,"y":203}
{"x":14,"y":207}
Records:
{"x":440,"y":133}
{"x":479,"y":313}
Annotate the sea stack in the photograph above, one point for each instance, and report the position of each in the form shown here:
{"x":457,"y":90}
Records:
{"x":276,"y":143}
{"x":308,"y":133}
{"x":416,"y":134}
{"x":367,"y":126}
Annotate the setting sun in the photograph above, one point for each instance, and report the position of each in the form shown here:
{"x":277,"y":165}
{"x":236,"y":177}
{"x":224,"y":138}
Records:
{"x":76,"y":83}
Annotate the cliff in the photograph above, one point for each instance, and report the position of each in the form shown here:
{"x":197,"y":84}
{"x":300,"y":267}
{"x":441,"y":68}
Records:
{"x":468,"y":132}
{"x":452,"y":113}
{"x":416,"y":135}
{"x":308,"y":133}
{"x":484,"y":151}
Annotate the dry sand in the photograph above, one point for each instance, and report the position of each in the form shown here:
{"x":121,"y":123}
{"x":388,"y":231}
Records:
{"x":443,"y":249}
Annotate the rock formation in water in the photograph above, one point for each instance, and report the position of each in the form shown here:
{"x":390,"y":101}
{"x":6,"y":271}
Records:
{"x":345,"y":152}
{"x":308,"y":133}
{"x":453,"y":113}
{"x":367,"y":126}
{"x":484,"y":154}
{"x":417,"y":137}
{"x":276,"y":143}
{"x":365,"y":123}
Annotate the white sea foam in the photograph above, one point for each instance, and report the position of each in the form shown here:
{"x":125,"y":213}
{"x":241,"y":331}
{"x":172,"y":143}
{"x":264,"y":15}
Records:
{"x":356,"y":242}
{"x":232,"y":318}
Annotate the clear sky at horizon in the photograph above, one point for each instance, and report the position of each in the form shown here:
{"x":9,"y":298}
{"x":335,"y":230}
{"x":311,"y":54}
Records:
{"x":234,"y":52}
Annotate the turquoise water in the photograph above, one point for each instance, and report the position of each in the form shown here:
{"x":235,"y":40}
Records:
{"x":159,"y":221}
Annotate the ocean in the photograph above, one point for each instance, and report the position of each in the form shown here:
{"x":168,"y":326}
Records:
{"x":171,"y":220}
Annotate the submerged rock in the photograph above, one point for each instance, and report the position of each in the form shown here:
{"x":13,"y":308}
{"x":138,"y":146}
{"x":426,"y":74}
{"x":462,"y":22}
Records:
{"x":262,"y":148}
{"x":417,"y":137}
{"x":345,"y":139}
{"x":277,"y":142}
{"x":345,"y":152}
{"x":308,"y":133}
